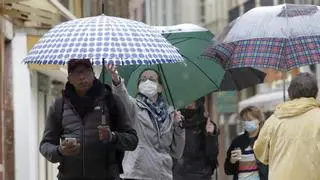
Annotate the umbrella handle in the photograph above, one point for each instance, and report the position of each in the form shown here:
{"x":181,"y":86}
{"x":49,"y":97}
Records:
{"x":103,"y":119}
{"x":284,"y":87}
{"x":103,"y":116}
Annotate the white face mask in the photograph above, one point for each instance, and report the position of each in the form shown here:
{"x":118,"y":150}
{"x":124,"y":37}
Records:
{"x":148,"y":88}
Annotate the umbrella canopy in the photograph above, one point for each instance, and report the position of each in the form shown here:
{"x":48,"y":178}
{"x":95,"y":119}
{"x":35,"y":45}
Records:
{"x":103,"y":39}
{"x":191,"y":40}
{"x":196,"y":76}
{"x":282,"y":37}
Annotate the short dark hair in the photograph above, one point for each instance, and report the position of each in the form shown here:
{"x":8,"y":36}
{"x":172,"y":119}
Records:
{"x":303,"y":85}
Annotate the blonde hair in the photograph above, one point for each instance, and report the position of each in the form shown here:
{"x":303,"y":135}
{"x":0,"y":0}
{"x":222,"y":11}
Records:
{"x":253,"y":111}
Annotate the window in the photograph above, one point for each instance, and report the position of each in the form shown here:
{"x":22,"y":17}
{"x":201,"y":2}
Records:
{"x":65,"y":3}
{"x":164,"y":12}
{"x":233,"y":13}
{"x":175,"y":12}
{"x":266,"y":2}
{"x":143,"y":9}
{"x":86,"y":8}
{"x":249,"y":5}
{"x":315,"y":2}
{"x":202,"y":11}
{"x":287,"y":1}
{"x":135,"y":14}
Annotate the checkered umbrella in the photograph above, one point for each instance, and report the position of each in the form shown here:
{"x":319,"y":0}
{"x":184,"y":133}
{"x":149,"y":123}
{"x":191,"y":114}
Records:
{"x":103,"y":39}
{"x":282,"y":37}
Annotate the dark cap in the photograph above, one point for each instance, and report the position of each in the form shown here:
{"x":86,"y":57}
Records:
{"x":73,"y":63}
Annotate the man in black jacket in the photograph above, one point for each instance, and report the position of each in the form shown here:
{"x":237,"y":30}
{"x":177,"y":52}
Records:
{"x":75,"y":118}
{"x":201,"y":150}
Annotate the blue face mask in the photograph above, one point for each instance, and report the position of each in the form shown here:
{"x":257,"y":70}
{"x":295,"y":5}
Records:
{"x":251,"y":126}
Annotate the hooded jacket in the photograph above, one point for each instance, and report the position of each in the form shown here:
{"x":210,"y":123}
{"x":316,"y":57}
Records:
{"x":289,"y":141}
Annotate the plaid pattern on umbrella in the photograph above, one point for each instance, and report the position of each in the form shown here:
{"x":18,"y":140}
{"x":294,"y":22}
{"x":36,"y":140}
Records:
{"x":278,"y":53}
{"x":282,"y":37}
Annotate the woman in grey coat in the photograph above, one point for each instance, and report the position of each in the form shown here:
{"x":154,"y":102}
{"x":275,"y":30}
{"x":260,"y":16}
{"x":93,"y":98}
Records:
{"x":161,"y":136}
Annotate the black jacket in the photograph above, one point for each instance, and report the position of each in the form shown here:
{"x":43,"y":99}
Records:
{"x":199,"y":159}
{"x":242,"y":141}
{"x":96,"y":159}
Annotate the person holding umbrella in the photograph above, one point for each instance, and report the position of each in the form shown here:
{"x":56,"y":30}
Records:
{"x":240,"y":161}
{"x":200,"y":157}
{"x":161,"y":136}
{"x":74,"y":119}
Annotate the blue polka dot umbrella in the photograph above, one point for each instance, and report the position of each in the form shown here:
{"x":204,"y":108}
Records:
{"x":103,"y":39}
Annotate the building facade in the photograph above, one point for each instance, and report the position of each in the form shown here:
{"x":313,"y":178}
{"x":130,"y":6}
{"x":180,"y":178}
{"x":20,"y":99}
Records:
{"x":85,"y":8}
{"x":21,"y":99}
{"x":137,"y":10}
{"x":6,"y":101}
{"x":173,"y":12}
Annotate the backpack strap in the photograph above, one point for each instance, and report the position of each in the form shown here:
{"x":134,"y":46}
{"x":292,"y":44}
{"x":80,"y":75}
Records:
{"x":59,"y":108}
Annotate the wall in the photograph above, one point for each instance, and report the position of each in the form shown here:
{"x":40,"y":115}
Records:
{"x":25,"y":114}
{"x":2,"y":77}
{"x":137,"y":10}
{"x":6,"y":102}
{"x":161,"y":12}
{"x":189,"y":11}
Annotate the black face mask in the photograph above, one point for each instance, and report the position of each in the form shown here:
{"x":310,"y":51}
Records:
{"x":189,"y":113}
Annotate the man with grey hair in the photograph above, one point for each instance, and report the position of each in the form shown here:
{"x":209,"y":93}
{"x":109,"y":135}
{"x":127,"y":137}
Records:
{"x":289,"y":141}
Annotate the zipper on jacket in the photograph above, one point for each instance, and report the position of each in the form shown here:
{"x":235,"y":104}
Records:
{"x":83,"y":154}
{"x":82,"y":139}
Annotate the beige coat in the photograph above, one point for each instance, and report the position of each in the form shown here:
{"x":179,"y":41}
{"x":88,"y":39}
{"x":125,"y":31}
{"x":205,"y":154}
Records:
{"x":290,"y":141}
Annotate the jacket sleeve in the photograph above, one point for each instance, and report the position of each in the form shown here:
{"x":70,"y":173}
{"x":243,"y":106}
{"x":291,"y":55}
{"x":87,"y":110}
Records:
{"x":51,"y":136}
{"x":128,"y":101}
{"x":178,"y":141}
{"x":126,"y":136}
{"x":261,"y":145}
{"x":229,"y":168}
{"x":212,"y":145}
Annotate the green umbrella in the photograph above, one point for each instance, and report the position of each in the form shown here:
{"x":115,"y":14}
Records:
{"x":183,"y":82}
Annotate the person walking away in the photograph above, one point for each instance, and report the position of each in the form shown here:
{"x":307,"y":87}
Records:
{"x":200,"y":155}
{"x":161,"y":136}
{"x":240,"y":161}
{"x":290,"y":140}
{"x":74,"y":118}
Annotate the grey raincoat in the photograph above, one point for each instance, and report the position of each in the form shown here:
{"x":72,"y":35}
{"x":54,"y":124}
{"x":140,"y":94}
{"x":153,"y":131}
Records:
{"x":152,"y":159}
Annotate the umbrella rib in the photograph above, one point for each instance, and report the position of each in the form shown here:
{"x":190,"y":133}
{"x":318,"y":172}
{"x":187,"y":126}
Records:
{"x":166,"y":85}
{"x":165,"y":80}
{"x":205,"y":74}
{"x":188,"y":38}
